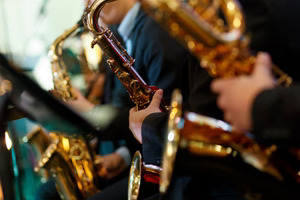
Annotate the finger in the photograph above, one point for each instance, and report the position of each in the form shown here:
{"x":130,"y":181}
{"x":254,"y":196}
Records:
{"x":264,"y":58}
{"x":216,"y":85}
{"x":157,"y":97}
{"x":263,"y":63}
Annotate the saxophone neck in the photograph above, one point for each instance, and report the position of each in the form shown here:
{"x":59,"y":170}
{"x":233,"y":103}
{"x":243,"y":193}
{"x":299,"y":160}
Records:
{"x":61,"y":79}
{"x":91,"y":15}
{"x":56,"y":47}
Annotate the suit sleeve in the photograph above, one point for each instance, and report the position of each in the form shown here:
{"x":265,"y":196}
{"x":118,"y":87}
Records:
{"x":153,"y":131}
{"x":276,"y":116}
{"x":164,"y":59}
{"x":196,"y":98}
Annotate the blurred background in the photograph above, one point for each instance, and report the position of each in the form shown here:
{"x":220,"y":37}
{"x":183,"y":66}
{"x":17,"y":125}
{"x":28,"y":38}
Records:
{"x":27,"y":29}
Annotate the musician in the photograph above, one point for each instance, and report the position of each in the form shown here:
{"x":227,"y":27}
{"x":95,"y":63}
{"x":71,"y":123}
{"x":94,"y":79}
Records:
{"x":270,"y":113}
{"x":149,"y":126}
{"x":265,"y":20}
{"x":254,"y":104}
{"x":159,"y":59}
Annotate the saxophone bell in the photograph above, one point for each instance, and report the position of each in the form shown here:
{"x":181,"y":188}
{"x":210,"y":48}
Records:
{"x":193,"y":137}
{"x":61,"y":79}
{"x":143,"y":179}
{"x":91,"y":16}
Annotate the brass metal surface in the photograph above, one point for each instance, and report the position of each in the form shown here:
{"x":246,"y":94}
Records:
{"x":220,"y":44}
{"x":208,"y":137}
{"x":120,"y":62}
{"x":139,"y":174}
{"x":68,"y":157}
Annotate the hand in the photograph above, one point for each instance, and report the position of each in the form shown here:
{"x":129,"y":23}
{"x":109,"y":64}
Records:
{"x":236,"y":95}
{"x":136,"y":118}
{"x":95,"y":87}
{"x":80,"y":103}
{"x":111,"y":165}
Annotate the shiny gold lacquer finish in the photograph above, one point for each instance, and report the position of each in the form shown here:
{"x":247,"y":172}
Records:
{"x":61,"y":170}
{"x":68,"y":158}
{"x":61,"y":79}
{"x":139,"y":173}
{"x":171,"y":141}
{"x":206,"y":136}
{"x":134,"y":180}
{"x":120,"y":62}
{"x":222,"y":50}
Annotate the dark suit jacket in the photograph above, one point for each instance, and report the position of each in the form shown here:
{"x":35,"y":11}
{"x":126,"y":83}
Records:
{"x":197,"y":97}
{"x":276,"y":116}
{"x":271,"y":25}
{"x":274,"y":28}
{"x":160,"y":61}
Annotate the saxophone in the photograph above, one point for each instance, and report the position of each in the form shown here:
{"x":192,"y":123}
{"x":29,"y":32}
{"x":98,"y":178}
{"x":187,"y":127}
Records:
{"x":68,"y":158}
{"x":61,"y":79}
{"x":142,"y":175}
{"x":224,"y":52}
{"x":120,"y":62}
{"x":220,"y":148}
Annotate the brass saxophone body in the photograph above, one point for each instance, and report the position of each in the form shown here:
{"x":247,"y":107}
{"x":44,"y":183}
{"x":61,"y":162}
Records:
{"x":141,"y":175}
{"x":61,"y":79}
{"x":211,"y":138}
{"x":68,"y":158}
{"x":223,"y":50}
{"x":69,"y":161}
{"x":120,"y":62}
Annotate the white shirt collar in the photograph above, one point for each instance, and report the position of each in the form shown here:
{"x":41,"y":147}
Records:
{"x":128,"y":22}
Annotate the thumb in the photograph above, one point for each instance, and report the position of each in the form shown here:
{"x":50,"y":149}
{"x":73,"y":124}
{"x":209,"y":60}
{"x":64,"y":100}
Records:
{"x":263,"y":64}
{"x":217,"y":85}
{"x":155,"y":103}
